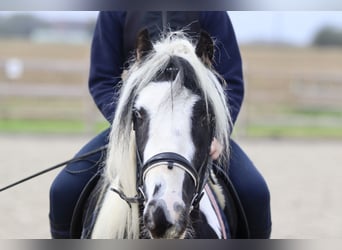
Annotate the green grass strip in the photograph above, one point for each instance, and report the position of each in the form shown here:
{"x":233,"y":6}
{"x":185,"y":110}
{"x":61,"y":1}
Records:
{"x":294,"y":131}
{"x":49,"y":126}
{"x":41,"y":126}
{"x":78,"y":126}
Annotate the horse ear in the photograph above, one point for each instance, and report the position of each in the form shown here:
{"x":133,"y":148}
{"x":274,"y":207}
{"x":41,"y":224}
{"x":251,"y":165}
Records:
{"x":143,"y":44}
{"x":205,"y":48}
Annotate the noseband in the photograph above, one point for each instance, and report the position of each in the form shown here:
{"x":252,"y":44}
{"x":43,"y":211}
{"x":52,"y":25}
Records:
{"x":171,"y":160}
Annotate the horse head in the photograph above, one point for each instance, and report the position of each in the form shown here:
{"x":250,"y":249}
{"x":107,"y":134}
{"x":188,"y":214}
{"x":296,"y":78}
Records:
{"x":174,"y":127}
{"x":171,"y":107}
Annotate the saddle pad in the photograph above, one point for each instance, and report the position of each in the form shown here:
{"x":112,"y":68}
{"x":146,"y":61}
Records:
{"x":219,"y":212}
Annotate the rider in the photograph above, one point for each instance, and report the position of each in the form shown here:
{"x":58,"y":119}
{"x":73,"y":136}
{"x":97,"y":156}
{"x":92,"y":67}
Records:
{"x":112,"y":42}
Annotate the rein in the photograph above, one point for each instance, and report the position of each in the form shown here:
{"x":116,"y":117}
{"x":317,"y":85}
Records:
{"x":81,"y":157}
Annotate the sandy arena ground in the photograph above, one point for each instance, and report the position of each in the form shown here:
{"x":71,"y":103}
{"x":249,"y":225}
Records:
{"x":304,"y":177}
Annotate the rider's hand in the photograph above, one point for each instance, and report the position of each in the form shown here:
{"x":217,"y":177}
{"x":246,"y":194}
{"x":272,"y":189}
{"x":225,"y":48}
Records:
{"x":215,"y":149}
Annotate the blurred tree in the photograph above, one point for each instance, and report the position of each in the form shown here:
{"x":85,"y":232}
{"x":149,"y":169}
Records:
{"x":23,"y":25}
{"x":19,"y":25}
{"x":328,"y":36}
{"x":90,"y":26}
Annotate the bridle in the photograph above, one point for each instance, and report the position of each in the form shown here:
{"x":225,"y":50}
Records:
{"x":171,"y":160}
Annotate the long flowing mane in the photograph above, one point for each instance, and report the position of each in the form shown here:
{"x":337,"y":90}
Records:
{"x":120,"y":169}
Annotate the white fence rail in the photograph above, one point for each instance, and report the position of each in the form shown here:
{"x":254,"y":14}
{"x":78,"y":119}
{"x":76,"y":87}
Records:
{"x":20,"y":99}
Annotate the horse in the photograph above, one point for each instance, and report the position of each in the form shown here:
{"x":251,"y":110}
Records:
{"x":159,"y":181}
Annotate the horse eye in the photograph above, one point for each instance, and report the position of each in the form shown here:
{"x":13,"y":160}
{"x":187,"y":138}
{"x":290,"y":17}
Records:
{"x":137,"y":115}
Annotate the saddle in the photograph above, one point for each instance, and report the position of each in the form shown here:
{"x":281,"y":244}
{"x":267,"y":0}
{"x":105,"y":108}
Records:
{"x":233,"y":210}
{"x":83,"y":205}
{"x":82,"y":220}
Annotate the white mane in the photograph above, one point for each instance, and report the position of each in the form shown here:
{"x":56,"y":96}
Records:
{"x":116,"y":219}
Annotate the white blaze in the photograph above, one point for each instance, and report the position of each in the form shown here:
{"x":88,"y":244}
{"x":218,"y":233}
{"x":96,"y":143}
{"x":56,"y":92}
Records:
{"x":169,"y":131}
{"x":170,"y":120}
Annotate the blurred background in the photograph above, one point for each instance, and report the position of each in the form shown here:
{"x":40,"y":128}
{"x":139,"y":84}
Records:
{"x":290,"y":124}
{"x":292,"y":63}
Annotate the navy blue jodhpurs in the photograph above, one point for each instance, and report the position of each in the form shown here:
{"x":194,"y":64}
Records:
{"x":68,"y":185}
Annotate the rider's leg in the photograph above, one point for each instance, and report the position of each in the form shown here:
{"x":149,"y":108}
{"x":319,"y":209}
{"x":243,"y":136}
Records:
{"x":253,"y":192}
{"x":69,"y":183}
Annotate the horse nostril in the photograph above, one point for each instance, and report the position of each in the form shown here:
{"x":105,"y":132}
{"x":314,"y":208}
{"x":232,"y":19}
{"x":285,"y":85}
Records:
{"x":148,"y":222}
{"x":156,"y":222}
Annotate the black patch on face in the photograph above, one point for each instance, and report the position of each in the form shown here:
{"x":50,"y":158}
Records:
{"x":202,"y":131}
{"x":141,"y":124}
{"x":169,"y":73}
{"x":188,"y":190}
{"x":178,"y":65}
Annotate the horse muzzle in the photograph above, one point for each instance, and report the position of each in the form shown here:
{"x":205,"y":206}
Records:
{"x":166,"y":213}
{"x":165,"y":222}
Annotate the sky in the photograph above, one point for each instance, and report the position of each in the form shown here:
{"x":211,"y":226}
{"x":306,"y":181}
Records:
{"x":293,"y":27}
